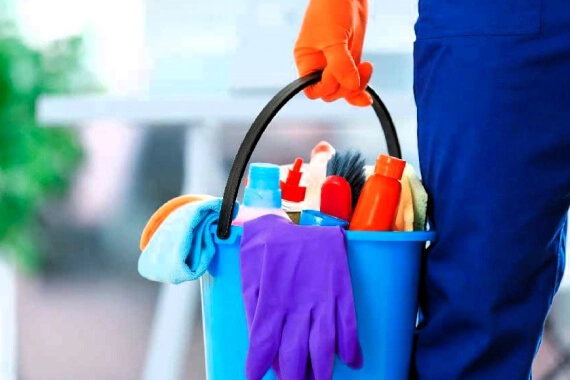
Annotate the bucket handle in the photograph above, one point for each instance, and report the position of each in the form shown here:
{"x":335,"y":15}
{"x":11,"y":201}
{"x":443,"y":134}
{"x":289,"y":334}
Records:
{"x":260,"y":124}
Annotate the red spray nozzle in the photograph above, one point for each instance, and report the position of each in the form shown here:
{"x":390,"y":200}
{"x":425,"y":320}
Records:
{"x":296,"y":168}
{"x":291,"y":191}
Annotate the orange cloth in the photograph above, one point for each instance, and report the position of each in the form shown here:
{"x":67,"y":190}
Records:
{"x":162,"y":213}
{"x":331,"y":39}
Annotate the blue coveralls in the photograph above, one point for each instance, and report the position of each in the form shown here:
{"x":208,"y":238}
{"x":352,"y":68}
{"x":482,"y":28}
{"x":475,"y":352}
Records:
{"x":492,"y":86}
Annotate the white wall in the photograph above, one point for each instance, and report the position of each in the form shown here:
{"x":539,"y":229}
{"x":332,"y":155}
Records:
{"x":188,"y":40}
{"x":113,"y":32}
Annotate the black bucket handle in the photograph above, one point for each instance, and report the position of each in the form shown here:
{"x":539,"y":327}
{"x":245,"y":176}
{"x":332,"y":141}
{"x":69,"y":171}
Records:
{"x":260,"y":124}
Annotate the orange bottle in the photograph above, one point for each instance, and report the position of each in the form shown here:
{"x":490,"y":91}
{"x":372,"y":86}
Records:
{"x":378,"y":202}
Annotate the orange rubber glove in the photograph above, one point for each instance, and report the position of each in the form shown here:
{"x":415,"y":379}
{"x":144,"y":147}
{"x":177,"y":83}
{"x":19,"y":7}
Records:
{"x":166,"y":209}
{"x":331,"y":39}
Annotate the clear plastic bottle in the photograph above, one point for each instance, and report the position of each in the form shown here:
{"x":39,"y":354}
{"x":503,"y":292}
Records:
{"x":317,"y":173}
{"x":262,"y":194}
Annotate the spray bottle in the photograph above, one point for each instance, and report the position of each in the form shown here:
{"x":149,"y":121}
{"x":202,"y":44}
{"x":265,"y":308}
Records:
{"x":293,"y":193}
{"x":317,"y":173}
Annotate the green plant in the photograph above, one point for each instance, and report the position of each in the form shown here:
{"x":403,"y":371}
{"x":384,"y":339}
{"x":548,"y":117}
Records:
{"x":36,"y":163}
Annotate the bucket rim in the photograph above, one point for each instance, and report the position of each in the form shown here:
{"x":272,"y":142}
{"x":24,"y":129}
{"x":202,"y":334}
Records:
{"x":379,"y":236}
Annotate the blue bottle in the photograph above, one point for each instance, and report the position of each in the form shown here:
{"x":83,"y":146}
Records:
{"x":262,"y":195}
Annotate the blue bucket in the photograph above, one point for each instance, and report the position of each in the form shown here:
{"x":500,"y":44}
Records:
{"x":384,"y":268}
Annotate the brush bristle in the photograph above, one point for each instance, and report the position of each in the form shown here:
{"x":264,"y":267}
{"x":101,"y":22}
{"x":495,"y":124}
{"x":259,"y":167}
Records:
{"x":332,"y":164}
{"x":350,"y":166}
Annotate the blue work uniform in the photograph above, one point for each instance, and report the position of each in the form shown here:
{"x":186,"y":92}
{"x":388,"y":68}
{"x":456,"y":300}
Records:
{"x":492,"y":87}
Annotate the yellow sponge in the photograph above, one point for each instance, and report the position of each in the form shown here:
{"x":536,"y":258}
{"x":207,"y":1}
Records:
{"x":420,"y":198}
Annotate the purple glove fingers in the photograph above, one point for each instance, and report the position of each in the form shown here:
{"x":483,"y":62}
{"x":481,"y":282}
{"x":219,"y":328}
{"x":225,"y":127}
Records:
{"x":265,"y":338}
{"x":294,"y":350}
{"x":347,"y":344}
{"x":322,"y":342}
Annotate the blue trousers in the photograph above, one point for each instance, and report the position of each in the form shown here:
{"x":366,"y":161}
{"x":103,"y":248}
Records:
{"x":492,"y":87}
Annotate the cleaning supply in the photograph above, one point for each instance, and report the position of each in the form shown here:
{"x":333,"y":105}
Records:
{"x":413,"y":203}
{"x":262,"y":194}
{"x":405,"y":215}
{"x":350,"y":165}
{"x":293,"y":194}
{"x":419,"y":198}
{"x":317,"y":173}
{"x":298,"y":299}
{"x":331,"y":38}
{"x":418,"y":193}
{"x":162,"y":213}
{"x":336,"y":198}
{"x":378,"y":203}
{"x":318,"y":218}
{"x":183,"y":245}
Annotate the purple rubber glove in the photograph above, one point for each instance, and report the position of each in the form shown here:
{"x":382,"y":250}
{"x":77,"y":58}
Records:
{"x":298,"y":299}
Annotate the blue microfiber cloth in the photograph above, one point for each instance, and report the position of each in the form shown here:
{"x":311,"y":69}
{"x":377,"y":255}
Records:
{"x":183,"y":246}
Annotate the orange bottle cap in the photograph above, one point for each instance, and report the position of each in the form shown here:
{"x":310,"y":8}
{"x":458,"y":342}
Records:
{"x":389,"y":166}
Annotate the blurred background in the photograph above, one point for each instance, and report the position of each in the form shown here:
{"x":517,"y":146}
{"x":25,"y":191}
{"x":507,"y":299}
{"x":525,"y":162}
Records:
{"x":111,"y":108}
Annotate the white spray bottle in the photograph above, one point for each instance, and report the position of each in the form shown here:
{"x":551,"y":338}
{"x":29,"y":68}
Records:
{"x":317,"y":173}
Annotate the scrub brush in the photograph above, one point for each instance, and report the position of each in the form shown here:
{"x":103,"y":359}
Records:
{"x":350,"y":166}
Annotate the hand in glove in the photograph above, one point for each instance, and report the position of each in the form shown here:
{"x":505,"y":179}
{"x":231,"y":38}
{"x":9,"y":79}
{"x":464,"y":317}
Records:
{"x":331,"y":39}
{"x":298,"y":299}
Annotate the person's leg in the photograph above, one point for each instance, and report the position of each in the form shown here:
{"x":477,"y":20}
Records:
{"x":494,"y":144}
